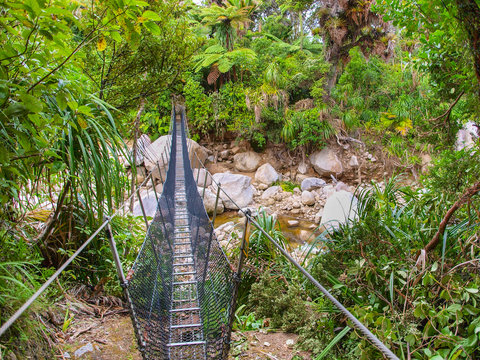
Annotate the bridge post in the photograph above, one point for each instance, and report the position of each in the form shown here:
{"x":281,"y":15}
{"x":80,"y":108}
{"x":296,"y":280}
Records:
{"x":204,"y":184}
{"x":116,"y":257}
{"x":199,"y":166}
{"x":160,"y":172}
{"x":141,"y":206}
{"x":237,"y":278}
{"x":153,"y":184}
{"x":211,"y":232}
{"x":124,"y":284}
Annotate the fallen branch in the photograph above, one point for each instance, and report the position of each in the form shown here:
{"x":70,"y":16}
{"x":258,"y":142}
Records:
{"x":443,"y":224}
{"x":449,"y":111}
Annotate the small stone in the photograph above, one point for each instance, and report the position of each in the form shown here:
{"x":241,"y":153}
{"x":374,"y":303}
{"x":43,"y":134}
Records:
{"x":262,"y":186}
{"x":308,"y":198}
{"x":296,"y":211}
{"x":312,"y":183}
{"x":270,"y":201}
{"x":83,"y":350}
{"x":271,"y":192}
{"x":353,"y":161}
{"x":297,"y":191}
{"x":297,"y":205}
{"x":293,"y":223}
{"x":211,"y":158}
{"x":266,"y":343}
{"x":290,"y":343}
{"x":224,"y":154}
{"x":302,"y":168}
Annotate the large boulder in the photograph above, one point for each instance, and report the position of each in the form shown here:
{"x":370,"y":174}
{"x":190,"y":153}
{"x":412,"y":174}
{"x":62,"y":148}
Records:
{"x":326,"y":162}
{"x":154,"y":161}
{"x":238,"y":187}
{"x":246,"y":161}
{"x":467,"y":136}
{"x":209,"y":202}
{"x":200,"y":175}
{"x":149,"y":202}
{"x":266,"y":174}
{"x":340,"y":209}
{"x":143,"y":142}
{"x":312,"y":183}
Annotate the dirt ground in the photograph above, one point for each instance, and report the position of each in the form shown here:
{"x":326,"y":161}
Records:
{"x":112,"y":338}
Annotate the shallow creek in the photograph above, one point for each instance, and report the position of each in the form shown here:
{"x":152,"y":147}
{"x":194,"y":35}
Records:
{"x":305,"y":232}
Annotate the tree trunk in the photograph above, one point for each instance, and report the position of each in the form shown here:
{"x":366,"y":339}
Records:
{"x":469,"y":17}
{"x":136,"y":126}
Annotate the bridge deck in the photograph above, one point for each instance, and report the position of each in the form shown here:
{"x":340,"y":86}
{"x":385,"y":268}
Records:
{"x":186,"y":328}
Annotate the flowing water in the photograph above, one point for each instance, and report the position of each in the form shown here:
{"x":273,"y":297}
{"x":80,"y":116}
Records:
{"x":303,"y":233}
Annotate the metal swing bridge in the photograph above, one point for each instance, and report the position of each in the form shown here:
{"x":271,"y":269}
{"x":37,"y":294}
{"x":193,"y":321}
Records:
{"x":181,"y":285}
{"x":182,"y":290}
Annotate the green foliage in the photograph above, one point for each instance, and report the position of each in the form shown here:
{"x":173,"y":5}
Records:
{"x":453,"y":171}
{"x":260,"y":247}
{"x":272,"y":298}
{"x":286,"y":185}
{"x":306,"y":129}
{"x":246,"y":322}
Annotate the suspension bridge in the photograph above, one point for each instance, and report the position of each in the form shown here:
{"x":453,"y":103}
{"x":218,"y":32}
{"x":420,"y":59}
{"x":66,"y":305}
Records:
{"x":182,"y":290}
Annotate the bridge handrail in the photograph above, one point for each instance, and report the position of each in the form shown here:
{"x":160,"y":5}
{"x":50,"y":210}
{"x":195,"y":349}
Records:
{"x":357,"y":323}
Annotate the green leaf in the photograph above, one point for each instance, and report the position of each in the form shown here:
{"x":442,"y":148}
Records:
{"x":152,"y":27}
{"x":31,"y":102}
{"x":61,"y":100}
{"x":16,"y":109}
{"x":454,"y":308}
{"x":332,"y":343}
{"x":472,"y":290}
{"x":84,"y":110}
{"x":150,"y":15}
{"x":116,"y":36}
{"x":4,"y":94}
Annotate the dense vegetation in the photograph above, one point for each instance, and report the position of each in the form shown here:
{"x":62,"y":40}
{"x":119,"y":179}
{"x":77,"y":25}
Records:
{"x":77,"y":79}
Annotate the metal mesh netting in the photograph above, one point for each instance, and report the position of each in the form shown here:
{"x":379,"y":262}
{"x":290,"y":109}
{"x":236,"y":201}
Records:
{"x":180,"y":290}
{"x":215,"y":285}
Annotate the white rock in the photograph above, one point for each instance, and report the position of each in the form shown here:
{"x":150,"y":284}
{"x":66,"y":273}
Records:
{"x":262,"y":186}
{"x":340,"y":208}
{"x":312,"y":183}
{"x":83,"y":350}
{"x":290,"y":343}
{"x":153,"y":155}
{"x":308,"y":198}
{"x":238,"y":187}
{"x":318,"y":216}
{"x":302,"y":168}
{"x":341,"y":186}
{"x":266,"y":174}
{"x":270,"y":192}
{"x":266,"y":343}
{"x":143,"y":142}
{"x":293,"y":223}
{"x":246,"y":161}
{"x":467,"y":136}
{"x":326,"y":162}
{"x":149,"y":204}
{"x":200,"y":174}
{"x":353,"y":161}
{"x":209,"y":202}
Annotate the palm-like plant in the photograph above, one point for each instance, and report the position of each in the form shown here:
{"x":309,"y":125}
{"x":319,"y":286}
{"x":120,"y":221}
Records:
{"x":224,"y":21}
{"x":259,"y":244}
